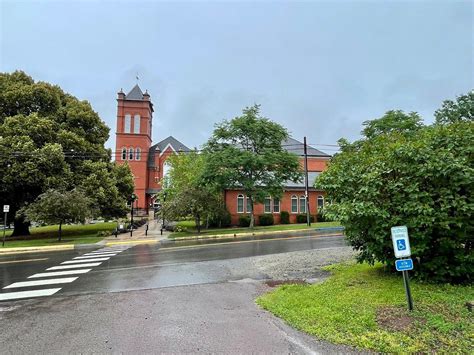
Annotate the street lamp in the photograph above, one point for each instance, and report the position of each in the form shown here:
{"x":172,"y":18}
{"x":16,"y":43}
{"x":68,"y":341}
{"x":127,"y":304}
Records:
{"x":132,"y":200}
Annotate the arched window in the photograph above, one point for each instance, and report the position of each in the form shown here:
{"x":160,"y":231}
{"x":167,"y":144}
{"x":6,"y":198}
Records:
{"x":320,"y":202}
{"x":127,"y":123}
{"x":166,"y":168}
{"x":302,"y":204}
{"x":267,"y":205}
{"x":240,"y":204}
{"x":276,"y":205}
{"x":130,"y":154}
{"x":138,"y":153}
{"x":136,"y":124}
{"x":294,"y":204}
{"x":124,"y":153}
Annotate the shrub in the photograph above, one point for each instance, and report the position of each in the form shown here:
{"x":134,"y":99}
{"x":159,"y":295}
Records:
{"x":265,"y":219}
{"x":420,"y":177}
{"x":103,"y":234}
{"x":284,"y":217}
{"x":244,"y":221}
{"x":220,"y":220}
{"x":301,"y":218}
{"x":320,"y":217}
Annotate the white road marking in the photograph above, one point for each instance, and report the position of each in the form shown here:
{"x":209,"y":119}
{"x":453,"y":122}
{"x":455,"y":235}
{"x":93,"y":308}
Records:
{"x":64,"y":280}
{"x":93,"y":256}
{"x":60,"y":273}
{"x":61,"y":267}
{"x":99,"y":254}
{"x":83,"y":261}
{"x":27,"y":294}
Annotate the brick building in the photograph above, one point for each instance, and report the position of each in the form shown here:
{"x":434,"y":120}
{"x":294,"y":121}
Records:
{"x":148,"y":163}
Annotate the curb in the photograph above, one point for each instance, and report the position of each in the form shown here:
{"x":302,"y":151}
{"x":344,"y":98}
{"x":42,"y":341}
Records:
{"x":138,"y":241}
{"x":249,"y":234}
{"x":6,"y":251}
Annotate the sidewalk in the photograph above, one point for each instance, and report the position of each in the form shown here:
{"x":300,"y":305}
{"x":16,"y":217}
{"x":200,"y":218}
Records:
{"x":139,"y":236}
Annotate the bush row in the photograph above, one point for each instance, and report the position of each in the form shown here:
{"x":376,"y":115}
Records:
{"x":268,"y":220}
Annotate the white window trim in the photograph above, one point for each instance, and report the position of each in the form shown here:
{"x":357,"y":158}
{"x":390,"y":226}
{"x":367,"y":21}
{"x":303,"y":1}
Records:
{"x":129,"y":126}
{"x":273,"y":206}
{"x":317,"y":202}
{"x":243,"y":203}
{"x":302,"y":197}
{"x":294,"y":197}
{"x":135,"y":124}
{"x":124,"y":150}
{"x":131,"y":153}
{"x":247,"y":201}
{"x":270,"y":205}
{"x":138,"y":153}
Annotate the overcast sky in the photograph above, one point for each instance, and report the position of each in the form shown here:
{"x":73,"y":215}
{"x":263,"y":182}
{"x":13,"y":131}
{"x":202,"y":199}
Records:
{"x":318,"y":68}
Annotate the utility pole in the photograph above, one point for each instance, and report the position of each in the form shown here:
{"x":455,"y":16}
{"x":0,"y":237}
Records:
{"x":306,"y":189}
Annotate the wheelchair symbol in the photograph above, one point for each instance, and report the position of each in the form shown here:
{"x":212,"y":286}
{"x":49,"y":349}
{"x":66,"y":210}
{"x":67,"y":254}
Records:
{"x":401,"y":244}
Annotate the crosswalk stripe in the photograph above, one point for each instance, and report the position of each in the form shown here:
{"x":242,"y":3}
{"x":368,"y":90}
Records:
{"x":28,"y":294}
{"x":84,"y":261}
{"x":59,"y":273}
{"x":61,"y":267}
{"x":64,"y":280}
{"x":93,"y":256}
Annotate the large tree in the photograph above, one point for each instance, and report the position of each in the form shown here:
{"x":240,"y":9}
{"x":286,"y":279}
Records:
{"x":51,"y":140}
{"x":187,"y":194}
{"x":59,"y":207}
{"x":246,"y":153}
{"x":418,"y":176}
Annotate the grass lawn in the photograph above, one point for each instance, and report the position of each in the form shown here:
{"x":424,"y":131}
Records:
{"x":191,"y":229}
{"x":362,"y":306}
{"x":71,"y":234}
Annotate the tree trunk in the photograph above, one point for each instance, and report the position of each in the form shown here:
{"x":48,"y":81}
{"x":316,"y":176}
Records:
{"x":21,"y":227}
{"x":60,"y":227}
{"x":252,"y":218}
{"x":198,"y":223}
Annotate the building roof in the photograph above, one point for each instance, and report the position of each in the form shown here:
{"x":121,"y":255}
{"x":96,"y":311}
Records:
{"x":161,"y":146}
{"x":312,"y":175}
{"x":135,"y":94}
{"x":296,"y":147}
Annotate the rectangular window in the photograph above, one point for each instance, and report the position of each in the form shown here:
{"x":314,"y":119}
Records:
{"x":127,"y":124}
{"x":267,"y":208}
{"x":276,"y":205}
{"x":240,"y":204}
{"x":294,"y":204}
{"x":136,"y":124}
{"x":249,"y":206}
{"x":302,"y":204}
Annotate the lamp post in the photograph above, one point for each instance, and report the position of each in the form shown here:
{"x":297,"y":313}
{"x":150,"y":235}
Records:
{"x":132,"y":200}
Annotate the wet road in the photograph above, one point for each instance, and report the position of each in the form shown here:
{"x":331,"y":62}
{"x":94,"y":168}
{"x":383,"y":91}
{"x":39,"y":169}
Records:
{"x":145,"y":266}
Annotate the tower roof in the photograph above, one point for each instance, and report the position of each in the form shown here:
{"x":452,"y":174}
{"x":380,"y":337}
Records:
{"x":135,"y":94}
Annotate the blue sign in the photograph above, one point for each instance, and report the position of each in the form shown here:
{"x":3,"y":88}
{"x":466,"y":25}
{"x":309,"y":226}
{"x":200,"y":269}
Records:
{"x":401,"y":244}
{"x":404,"y":264}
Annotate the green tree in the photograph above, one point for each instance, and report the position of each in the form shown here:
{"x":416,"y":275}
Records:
{"x":454,"y":111}
{"x":392,"y":121}
{"x":424,"y":181}
{"x":186,"y":192}
{"x":51,"y":140}
{"x":246,"y":153}
{"x":58,"y":207}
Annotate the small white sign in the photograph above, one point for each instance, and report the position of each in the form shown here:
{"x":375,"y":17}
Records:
{"x":401,"y":243}
{"x":6,"y":208}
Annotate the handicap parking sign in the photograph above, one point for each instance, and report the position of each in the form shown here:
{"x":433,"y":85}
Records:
{"x":401,"y":243}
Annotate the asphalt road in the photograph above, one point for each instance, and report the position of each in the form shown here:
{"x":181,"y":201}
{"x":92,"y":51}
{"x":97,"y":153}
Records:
{"x":150,"y":298}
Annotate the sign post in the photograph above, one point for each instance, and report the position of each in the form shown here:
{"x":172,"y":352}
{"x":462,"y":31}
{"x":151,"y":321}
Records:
{"x":6,"y":209}
{"x":401,"y":247}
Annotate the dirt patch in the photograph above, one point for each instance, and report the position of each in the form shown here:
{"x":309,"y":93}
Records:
{"x":396,"y":319}
{"x":274,"y":283}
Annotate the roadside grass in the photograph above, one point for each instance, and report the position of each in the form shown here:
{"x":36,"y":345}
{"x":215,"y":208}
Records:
{"x":71,"y":234}
{"x":192,"y":231}
{"x":365,"y":307}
